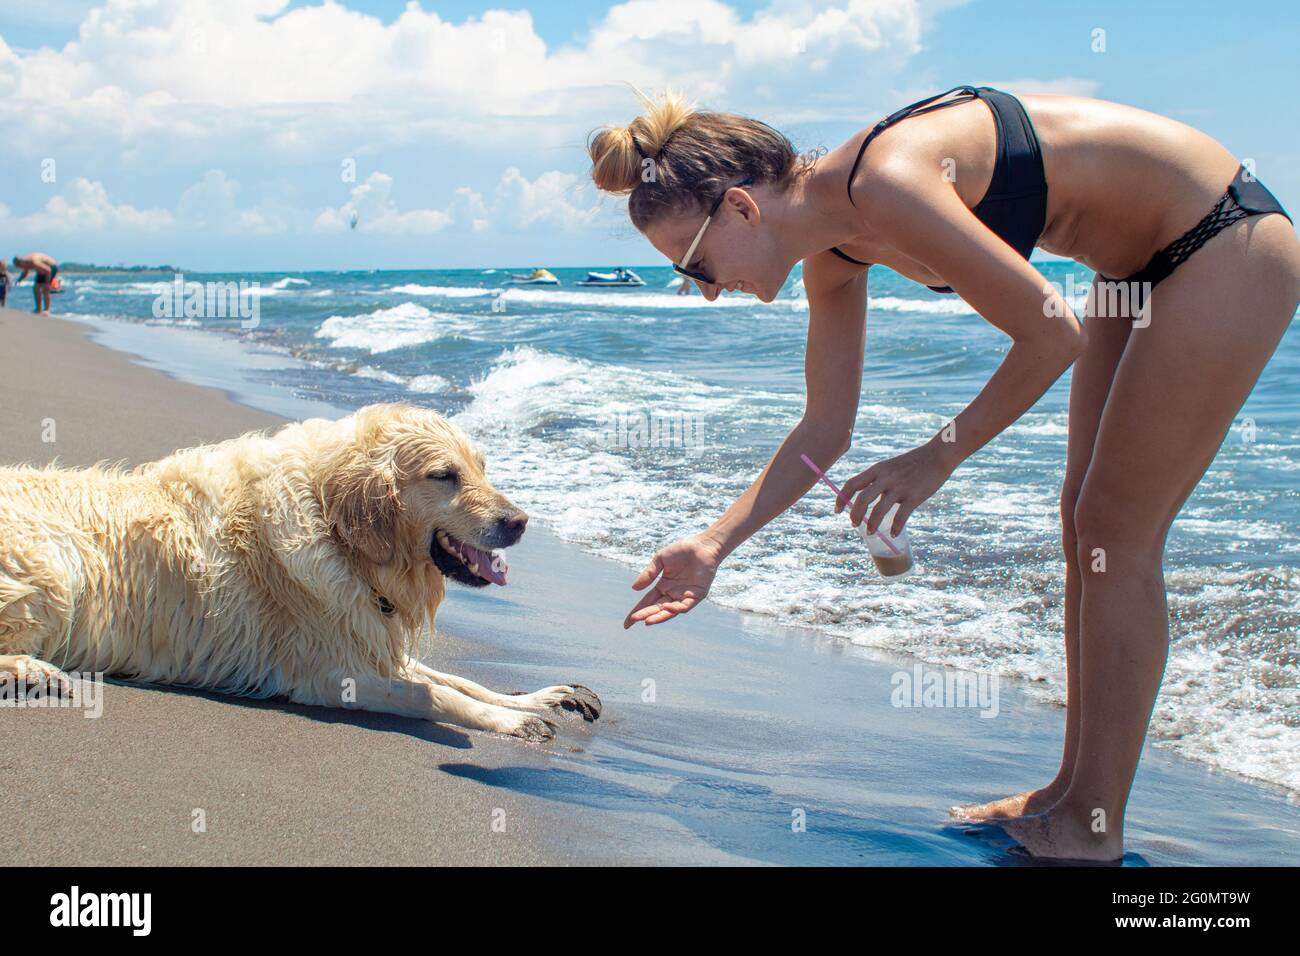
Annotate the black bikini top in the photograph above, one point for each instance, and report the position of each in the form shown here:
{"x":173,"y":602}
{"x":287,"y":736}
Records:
{"x":1015,"y":205}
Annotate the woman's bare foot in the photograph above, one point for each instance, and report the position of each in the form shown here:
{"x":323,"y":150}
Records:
{"x":1060,"y":835}
{"x":1018,"y":805}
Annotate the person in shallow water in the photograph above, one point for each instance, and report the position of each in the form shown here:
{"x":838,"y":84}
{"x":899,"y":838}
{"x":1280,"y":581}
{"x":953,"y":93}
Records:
{"x":45,"y":269}
{"x":1197,"y":278}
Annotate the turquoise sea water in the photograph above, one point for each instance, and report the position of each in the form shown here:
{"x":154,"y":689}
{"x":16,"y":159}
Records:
{"x":623,"y":418}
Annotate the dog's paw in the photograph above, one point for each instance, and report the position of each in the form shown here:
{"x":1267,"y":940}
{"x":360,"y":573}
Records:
{"x":575,"y":697}
{"x":530,"y":727}
{"x":584,"y":701}
{"x":35,"y":673}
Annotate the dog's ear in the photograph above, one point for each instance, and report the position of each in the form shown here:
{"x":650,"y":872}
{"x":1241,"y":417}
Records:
{"x":361,"y":502}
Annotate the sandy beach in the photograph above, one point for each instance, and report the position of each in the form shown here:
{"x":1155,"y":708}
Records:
{"x":279,"y":784}
{"x":726,"y":737}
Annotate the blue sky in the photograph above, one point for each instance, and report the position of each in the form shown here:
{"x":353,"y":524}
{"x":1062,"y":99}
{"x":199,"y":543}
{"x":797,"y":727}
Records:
{"x":218,"y":135}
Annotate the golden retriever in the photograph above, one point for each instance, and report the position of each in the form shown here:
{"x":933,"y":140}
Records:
{"x":305,"y":563}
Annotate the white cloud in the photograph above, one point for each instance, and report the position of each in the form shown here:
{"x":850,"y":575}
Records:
{"x":468,"y":206}
{"x":194,"y":71}
{"x":546,"y":201}
{"x":85,"y":208}
{"x":177,"y":85}
{"x":552,"y":201}
{"x":372,"y":207}
{"x":211,"y":203}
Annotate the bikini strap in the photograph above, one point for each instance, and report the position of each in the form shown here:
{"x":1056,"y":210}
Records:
{"x":920,"y":106}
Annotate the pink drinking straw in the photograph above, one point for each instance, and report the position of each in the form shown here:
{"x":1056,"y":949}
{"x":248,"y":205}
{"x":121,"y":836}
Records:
{"x":880,"y":532}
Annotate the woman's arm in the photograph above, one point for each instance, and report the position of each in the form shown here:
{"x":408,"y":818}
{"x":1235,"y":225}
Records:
{"x":919,"y":213}
{"x":833,"y":370}
{"x":833,"y":377}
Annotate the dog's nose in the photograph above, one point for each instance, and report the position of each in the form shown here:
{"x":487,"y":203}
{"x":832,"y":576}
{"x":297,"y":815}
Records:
{"x":511,"y":527}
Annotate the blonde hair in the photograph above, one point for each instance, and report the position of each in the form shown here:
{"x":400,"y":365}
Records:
{"x":676,"y":159}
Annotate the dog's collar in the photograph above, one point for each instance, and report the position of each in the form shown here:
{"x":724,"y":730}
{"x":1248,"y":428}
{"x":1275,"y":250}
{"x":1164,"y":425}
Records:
{"x":386,"y":607}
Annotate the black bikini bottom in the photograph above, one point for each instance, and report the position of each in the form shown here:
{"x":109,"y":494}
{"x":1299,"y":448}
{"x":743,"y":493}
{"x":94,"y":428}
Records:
{"x":1245,"y":196}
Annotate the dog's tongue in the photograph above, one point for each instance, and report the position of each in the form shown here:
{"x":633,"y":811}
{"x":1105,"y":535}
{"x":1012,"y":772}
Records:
{"x":491,"y":567}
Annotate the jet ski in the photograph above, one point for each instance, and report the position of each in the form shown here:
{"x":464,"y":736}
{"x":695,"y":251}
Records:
{"x":619,"y":277}
{"x":536,"y":277}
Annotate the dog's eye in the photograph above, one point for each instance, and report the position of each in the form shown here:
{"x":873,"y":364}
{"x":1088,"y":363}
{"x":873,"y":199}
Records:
{"x":443,"y":476}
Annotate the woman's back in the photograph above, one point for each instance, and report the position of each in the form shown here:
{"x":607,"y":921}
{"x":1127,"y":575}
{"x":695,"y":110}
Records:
{"x":1122,"y":181}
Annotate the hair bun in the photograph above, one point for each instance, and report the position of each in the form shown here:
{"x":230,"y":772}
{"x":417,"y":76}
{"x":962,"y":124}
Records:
{"x":618,"y":153}
{"x":615,"y":159}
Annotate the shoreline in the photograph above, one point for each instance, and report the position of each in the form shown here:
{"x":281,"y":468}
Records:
{"x":750,"y":720}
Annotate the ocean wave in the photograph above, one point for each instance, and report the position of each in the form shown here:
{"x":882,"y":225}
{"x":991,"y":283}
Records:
{"x":447,"y":291}
{"x":888,"y":303}
{"x":871,"y":416}
{"x":384,"y":330}
{"x":674,"y":302}
{"x":1046,"y":425}
{"x":378,"y":374}
{"x":950,"y":306}
{"x":427,"y":384}
{"x":101,"y":287}
{"x":526,"y":386}
{"x":418,"y":384}
{"x":1231,"y":682}
{"x":622,"y":299}
{"x":1232,"y":685}
{"x":248,"y":287}
{"x":1229,"y":528}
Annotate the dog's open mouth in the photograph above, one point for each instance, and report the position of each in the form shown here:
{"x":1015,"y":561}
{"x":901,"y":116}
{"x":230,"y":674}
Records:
{"x":466,"y":563}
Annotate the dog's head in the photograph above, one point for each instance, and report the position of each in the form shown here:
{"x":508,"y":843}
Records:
{"x":408,"y":487}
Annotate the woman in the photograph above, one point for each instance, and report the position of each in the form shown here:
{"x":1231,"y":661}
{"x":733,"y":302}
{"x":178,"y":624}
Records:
{"x":955,"y":192}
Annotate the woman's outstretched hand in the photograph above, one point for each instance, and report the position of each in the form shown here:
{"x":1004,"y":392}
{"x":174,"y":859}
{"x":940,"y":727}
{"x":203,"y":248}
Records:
{"x":908,"y":481}
{"x":685,"y":570}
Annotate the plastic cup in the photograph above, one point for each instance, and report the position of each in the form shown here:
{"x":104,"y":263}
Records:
{"x":892,"y":555}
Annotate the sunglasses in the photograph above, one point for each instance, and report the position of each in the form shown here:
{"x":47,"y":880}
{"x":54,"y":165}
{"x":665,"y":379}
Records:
{"x":680,"y":267}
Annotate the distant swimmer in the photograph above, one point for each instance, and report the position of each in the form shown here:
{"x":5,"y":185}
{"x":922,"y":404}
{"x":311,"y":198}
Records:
{"x":45,"y":268}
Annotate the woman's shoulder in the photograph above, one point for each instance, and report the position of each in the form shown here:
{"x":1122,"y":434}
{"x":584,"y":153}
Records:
{"x":912,"y":153}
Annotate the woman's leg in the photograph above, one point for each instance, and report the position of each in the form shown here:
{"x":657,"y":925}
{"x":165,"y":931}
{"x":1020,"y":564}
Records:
{"x":1089,"y":385}
{"x":1214,"y":324}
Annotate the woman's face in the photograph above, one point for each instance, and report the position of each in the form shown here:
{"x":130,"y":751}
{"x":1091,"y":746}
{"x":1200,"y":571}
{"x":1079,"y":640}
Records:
{"x":739,"y":249}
